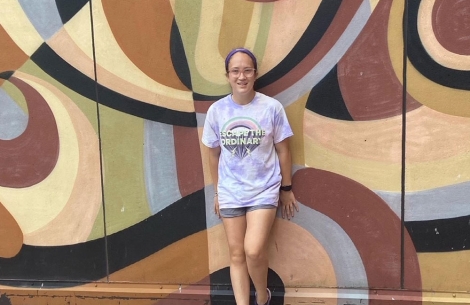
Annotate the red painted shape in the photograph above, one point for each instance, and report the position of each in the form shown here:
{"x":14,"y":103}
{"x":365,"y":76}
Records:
{"x":451,"y":25}
{"x":29,"y":158}
{"x":188,"y":160}
{"x":369,"y":85}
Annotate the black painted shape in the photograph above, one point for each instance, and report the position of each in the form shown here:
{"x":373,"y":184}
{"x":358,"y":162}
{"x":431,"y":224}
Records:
{"x":222,"y":293}
{"x":208,"y":98}
{"x":178,"y":56}
{"x":6,"y":74}
{"x":424,"y":63}
{"x":67,"y":9}
{"x":326,"y":98}
{"x":81,"y":262}
{"x":183,"y":218}
{"x":4,"y":300}
{"x":86,"y":261}
{"x":310,"y":38}
{"x":66,"y":74}
{"x":440,"y":235}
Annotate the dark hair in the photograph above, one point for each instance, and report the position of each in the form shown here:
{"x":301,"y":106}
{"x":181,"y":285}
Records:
{"x":243,"y":50}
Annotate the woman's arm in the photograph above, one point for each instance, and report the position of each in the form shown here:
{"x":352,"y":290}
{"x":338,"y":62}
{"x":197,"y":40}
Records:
{"x":286,"y":198}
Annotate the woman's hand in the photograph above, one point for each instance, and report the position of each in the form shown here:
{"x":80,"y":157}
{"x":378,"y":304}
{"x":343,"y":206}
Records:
{"x":216,"y":206}
{"x":288,"y":204}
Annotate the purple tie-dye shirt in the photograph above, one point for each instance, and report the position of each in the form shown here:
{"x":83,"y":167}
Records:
{"x":249,"y":170}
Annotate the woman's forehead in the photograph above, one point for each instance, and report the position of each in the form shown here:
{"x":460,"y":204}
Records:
{"x":240,"y":59}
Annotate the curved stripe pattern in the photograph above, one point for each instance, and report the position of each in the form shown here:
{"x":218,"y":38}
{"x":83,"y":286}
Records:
{"x":372,"y":226}
{"x":429,"y":29}
{"x":57,"y":68}
{"x":86,"y":261}
{"x":349,"y":269}
{"x":428,"y":205}
{"x":320,"y":68}
{"x":312,"y":35}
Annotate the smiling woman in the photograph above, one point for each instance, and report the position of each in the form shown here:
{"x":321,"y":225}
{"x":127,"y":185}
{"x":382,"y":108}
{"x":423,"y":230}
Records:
{"x":247,"y":134}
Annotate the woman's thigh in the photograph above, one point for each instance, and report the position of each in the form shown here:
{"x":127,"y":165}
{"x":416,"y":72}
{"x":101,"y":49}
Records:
{"x":235,"y":229}
{"x":258,"y":228}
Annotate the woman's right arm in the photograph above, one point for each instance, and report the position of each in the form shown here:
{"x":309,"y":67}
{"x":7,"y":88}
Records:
{"x":214,"y":155}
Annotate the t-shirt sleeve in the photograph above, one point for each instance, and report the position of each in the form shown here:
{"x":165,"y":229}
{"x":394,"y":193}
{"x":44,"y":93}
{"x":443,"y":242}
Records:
{"x":282,"y":129}
{"x":210,"y":134}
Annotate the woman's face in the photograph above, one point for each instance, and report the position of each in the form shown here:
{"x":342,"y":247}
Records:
{"x":241,"y":64}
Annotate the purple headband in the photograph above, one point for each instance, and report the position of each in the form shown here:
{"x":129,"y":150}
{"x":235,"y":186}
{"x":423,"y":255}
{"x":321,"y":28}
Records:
{"x":243,"y":50}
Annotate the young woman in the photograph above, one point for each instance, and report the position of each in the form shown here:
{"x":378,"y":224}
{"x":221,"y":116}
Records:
{"x":250,"y":162}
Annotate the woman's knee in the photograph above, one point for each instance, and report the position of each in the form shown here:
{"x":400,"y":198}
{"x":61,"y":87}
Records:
{"x":237,"y":255}
{"x":255,"y":254}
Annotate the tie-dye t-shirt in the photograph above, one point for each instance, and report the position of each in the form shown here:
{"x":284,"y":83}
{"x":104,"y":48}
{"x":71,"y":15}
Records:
{"x":249,"y":170}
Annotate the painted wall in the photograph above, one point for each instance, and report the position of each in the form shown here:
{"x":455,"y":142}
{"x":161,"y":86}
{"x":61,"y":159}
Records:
{"x":103,"y":177}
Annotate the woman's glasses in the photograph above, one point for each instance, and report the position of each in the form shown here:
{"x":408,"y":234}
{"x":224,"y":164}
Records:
{"x":249,"y":72}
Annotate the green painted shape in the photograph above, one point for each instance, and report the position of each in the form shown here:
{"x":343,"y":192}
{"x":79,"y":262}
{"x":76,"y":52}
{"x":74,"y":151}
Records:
{"x":122,"y":143}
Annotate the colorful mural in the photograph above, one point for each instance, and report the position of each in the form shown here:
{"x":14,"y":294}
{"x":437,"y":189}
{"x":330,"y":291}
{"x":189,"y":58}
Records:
{"x":103,"y":177}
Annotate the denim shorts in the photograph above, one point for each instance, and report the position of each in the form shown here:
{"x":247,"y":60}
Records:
{"x":235,"y":212}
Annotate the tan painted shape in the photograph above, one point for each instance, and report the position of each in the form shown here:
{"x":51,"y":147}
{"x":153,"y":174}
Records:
{"x":10,"y":234}
{"x":440,"y":54}
{"x":207,"y":59}
{"x":110,"y":56}
{"x":74,"y":223}
{"x":373,"y":4}
{"x":12,"y":56}
{"x":66,"y":48}
{"x":34,"y":207}
{"x":311,"y":265}
{"x":146,"y":37}
{"x":440,"y":98}
{"x":295,"y":115}
{"x":372,"y":174}
{"x":218,"y":248}
{"x":445,"y":271}
{"x":212,"y":25}
{"x":240,"y":26}
{"x":74,"y":54}
{"x":386,"y":176}
{"x":286,"y":29}
{"x":430,"y":136}
{"x":428,"y":175}
{"x":254,"y":26}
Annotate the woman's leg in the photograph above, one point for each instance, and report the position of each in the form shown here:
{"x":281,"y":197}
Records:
{"x":258,"y":228}
{"x":235,"y":228}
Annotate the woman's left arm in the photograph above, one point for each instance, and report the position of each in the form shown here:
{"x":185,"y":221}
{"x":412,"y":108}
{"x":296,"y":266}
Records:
{"x":286,"y":198}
